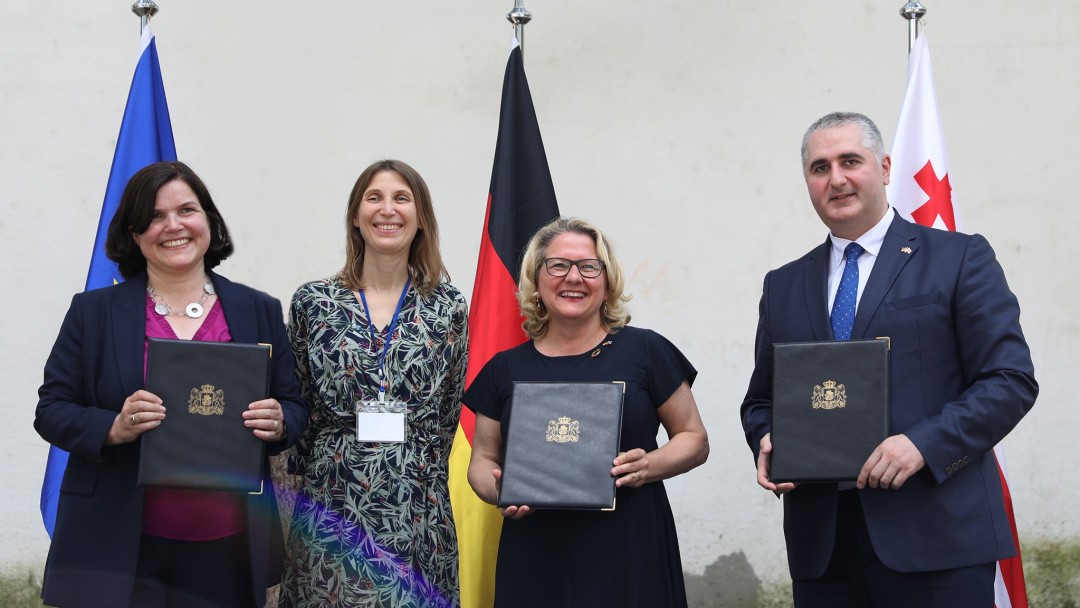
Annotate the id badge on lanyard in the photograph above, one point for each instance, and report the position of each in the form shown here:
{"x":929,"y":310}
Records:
{"x":382,"y":419}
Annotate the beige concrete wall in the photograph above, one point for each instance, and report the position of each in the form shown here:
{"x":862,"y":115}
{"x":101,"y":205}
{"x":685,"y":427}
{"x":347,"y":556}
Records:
{"x":675,"y":126}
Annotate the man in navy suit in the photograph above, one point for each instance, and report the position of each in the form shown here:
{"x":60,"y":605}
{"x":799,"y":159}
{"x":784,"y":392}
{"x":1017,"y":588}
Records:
{"x":925,"y":523}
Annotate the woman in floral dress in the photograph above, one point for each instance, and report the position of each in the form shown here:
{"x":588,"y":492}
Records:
{"x":381,"y":347}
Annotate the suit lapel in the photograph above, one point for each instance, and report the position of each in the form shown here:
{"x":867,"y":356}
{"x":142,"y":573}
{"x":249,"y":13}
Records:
{"x":128,"y":312}
{"x":815,"y":284}
{"x":239,"y":309}
{"x":129,"y":332}
{"x":899,"y":246}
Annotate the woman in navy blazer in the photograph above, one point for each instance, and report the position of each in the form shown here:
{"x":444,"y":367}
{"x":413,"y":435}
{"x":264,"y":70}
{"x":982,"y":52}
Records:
{"x":116,"y":544}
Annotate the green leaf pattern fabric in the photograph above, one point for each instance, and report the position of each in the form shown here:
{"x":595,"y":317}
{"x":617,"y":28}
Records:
{"x":373,"y":525}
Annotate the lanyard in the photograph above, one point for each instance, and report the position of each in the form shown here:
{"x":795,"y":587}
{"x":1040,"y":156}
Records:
{"x":381,"y":357}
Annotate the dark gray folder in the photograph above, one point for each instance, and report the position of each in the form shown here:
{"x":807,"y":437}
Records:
{"x":830,"y":408}
{"x":561,"y":440}
{"x":203,"y":443}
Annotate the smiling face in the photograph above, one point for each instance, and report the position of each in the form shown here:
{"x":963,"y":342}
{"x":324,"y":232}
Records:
{"x":845,"y":181}
{"x":386,"y":217}
{"x":572,"y":298}
{"x":179,"y":233}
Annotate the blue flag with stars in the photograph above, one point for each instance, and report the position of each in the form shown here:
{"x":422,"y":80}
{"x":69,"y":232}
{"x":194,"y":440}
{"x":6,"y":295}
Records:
{"x":145,"y":137}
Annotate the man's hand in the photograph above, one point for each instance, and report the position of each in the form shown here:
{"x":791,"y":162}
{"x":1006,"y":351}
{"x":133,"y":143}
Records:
{"x":891,"y":464}
{"x":763,"y":463}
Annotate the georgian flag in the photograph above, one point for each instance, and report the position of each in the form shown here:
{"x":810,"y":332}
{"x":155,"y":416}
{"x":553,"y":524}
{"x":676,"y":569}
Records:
{"x":919,"y":188}
{"x":921,"y":191}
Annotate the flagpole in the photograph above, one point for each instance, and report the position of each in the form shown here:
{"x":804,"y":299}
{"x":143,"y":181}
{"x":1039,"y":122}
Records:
{"x":913,"y":12}
{"x":145,"y":137}
{"x":519,"y":16}
{"x":927,"y":200}
{"x":144,"y":9}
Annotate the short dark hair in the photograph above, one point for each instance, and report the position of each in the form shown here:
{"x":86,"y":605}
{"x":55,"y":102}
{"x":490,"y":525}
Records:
{"x":871,"y":136}
{"x":136,"y":210}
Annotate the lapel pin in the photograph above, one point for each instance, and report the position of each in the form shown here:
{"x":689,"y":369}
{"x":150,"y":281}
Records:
{"x":905,"y":250}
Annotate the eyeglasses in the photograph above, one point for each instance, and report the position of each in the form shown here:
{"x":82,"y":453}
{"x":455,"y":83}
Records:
{"x":590,"y":268}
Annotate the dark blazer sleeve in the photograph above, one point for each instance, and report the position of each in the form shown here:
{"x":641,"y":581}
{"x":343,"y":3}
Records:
{"x":994,"y":361}
{"x":283,"y":384}
{"x":94,"y":365}
{"x":255,"y":316}
{"x":61,"y":419}
{"x":70,"y":413}
{"x":756,"y":408}
{"x":792,"y":309}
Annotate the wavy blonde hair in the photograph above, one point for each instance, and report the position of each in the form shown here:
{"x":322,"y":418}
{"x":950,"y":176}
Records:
{"x":614,"y":314}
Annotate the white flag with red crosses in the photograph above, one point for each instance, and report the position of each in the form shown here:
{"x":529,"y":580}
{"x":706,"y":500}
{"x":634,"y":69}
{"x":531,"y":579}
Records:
{"x":920,"y":190}
{"x":919,"y":186}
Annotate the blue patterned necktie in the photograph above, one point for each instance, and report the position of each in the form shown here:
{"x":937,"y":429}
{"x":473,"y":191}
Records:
{"x":843,"y":310}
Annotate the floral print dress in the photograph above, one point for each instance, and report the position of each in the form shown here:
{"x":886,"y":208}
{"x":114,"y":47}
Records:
{"x":373,"y":524}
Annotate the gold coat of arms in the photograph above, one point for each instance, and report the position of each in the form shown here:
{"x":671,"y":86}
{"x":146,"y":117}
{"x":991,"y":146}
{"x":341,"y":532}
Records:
{"x":828,"y":395}
{"x":207,"y":401}
{"x":563,"y":430}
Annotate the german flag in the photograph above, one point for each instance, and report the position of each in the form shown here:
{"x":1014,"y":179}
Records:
{"x":521,"y":199}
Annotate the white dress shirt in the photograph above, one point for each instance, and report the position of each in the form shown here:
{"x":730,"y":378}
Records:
{"x":871,"y":242}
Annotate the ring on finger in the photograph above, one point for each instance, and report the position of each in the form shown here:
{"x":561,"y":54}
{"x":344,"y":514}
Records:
{"x":133,"y":421}
{"x":275,"y":424}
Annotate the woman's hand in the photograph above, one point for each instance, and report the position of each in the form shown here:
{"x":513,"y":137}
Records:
{"x":686,"y":448}
{"x":141,"y":412}
{"x":266,"y":420}
{"x":631,"y":469}
{"x":513,"y":511}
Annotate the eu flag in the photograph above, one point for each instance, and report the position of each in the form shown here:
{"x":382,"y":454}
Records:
{"x":145,"y":137}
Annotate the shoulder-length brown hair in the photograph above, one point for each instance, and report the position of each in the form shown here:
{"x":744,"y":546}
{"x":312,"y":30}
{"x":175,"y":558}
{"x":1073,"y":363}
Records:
{"x":425,"y":261}
{"x":136,"y":210}
{"x":614,"y":314}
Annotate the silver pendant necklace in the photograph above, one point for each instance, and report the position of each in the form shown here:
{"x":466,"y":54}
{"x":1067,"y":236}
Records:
{"x":193,"y":310}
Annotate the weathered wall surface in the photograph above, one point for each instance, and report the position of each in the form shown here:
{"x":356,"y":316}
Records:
{"x":674,"y":126}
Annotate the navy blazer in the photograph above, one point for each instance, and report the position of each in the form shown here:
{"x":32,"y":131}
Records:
{"x":96,"y":363}
{"x":961,"y":379}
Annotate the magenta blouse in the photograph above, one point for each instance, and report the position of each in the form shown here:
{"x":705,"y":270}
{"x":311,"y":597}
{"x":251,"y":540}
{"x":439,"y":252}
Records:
{"x":189,"y":514}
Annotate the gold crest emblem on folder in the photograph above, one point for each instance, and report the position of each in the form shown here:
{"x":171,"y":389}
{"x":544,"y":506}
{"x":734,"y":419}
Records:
{"x":207,"y":401}
{"x":828,"y":395}
{"x":563,"y":430}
